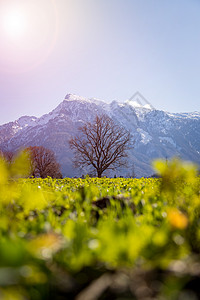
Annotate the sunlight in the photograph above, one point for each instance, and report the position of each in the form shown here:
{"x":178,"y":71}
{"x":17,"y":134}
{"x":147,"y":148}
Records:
{"x":28,"y":31}
{"x":15,"y":24}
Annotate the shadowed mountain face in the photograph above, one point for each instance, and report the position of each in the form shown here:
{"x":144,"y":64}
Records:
{"x":157,"y":134}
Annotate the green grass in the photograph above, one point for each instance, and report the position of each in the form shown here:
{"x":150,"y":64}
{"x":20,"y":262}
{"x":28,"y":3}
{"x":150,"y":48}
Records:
{"x":55,"y":243}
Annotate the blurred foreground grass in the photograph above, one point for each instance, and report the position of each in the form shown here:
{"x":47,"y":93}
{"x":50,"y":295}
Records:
{"x":143,"y":243}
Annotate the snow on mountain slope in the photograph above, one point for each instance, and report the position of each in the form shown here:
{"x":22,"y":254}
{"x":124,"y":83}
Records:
{"x":156,"y":133}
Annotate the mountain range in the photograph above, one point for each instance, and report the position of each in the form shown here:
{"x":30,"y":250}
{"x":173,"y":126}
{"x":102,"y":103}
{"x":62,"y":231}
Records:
{"x":156,"y":133}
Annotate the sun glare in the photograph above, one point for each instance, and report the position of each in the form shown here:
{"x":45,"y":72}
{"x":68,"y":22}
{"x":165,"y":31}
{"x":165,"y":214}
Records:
{"x":15,"y":24}
{"x":28,"y":32}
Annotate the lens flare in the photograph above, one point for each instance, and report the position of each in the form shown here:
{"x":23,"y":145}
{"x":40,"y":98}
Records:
{"x":14,"y":24}
{"x":28,"y":33}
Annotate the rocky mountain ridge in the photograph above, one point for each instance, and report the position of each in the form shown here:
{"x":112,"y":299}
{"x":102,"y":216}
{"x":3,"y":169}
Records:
{"x":156,"y":133}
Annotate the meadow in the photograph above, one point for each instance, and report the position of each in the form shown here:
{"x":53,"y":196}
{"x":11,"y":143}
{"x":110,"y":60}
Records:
{"x":100,"y":238}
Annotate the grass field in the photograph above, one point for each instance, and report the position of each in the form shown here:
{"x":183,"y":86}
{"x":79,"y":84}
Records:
{"x":100,"y":238}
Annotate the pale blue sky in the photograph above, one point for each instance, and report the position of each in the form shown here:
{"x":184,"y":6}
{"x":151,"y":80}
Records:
{"x":107,"y":49}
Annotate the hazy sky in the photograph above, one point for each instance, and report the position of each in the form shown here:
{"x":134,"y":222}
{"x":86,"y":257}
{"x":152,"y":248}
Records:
{"x":107,"y":49}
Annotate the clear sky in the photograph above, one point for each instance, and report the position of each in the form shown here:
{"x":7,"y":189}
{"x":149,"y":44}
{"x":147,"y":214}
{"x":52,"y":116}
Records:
{"x":106,"y":49}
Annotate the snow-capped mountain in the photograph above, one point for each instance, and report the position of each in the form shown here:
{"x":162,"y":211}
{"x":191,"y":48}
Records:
{"x":156,"y":133}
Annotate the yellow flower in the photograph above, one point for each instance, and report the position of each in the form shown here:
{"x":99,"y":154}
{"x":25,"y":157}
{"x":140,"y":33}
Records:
{"x":45,"y":245}
{"x":177,"y":219}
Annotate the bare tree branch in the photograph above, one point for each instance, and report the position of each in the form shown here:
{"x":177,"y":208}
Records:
{"x":101,"y":144}
{"x":43,"y":163}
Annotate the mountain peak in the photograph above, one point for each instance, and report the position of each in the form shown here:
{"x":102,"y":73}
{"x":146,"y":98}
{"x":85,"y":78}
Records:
{"x":155,"y":133}
{"x":26,"y":121}
{"x":138,"y":101}
{"x":73,"y":97}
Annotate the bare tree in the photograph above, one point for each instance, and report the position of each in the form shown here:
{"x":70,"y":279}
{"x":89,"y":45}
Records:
{"x":101,"y":144}
{"x":43,"y":163}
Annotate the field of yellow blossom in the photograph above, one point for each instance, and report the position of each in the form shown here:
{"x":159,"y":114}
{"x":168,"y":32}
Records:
{"x":100,"y":238}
